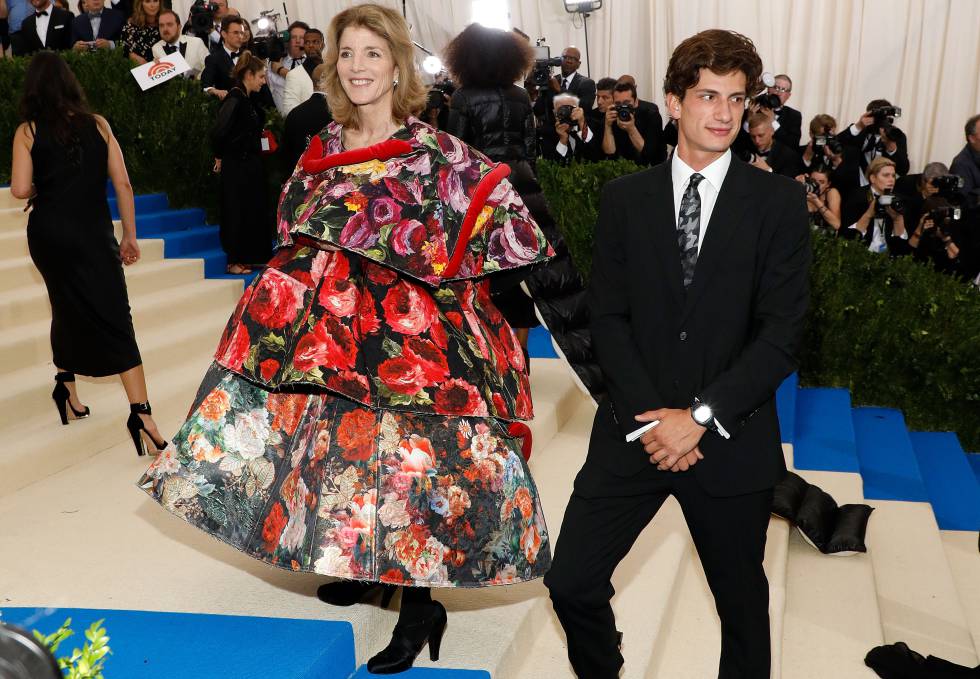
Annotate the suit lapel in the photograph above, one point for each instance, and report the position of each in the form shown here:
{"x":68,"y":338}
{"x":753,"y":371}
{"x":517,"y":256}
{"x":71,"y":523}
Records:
{"x":728,"y":213}
{"x":660,"y":213}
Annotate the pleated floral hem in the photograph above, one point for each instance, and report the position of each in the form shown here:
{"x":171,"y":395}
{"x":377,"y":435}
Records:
{"x":318,"y":483}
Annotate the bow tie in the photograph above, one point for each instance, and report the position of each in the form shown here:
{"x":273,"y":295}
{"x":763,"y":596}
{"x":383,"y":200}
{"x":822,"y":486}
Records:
{"x":95,"y":15}
{"x":170,"y":49}
{"x":40,"y":14}
{"x":235,"y":55}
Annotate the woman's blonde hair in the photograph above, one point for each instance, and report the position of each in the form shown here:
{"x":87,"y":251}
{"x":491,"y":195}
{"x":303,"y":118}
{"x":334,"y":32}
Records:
{"x":408,"y":97}
{"x":878,"y":164}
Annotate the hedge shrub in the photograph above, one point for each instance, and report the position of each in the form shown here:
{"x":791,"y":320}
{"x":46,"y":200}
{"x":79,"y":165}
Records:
{"x":894,"y":332}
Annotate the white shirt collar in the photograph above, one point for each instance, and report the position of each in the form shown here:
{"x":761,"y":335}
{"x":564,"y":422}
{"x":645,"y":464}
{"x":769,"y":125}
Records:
{"x":714,"y":173}
{"x":570,"y":77}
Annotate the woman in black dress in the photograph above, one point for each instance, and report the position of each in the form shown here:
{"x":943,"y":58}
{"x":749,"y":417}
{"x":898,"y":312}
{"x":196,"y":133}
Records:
{"x":246,"y":233}
{"x":62,"y":156}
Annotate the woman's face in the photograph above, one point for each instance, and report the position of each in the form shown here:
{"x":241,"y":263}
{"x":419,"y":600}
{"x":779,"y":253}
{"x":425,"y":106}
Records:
{"x":366,"y":67}
{"x":822,"y":180}
{"x":151,"y":8}
{"x":254,"y":81}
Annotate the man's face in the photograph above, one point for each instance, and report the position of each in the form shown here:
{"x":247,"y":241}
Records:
{"x":313,"y":43}
{"x":974,"y":139}
{"x":708,"y":115}
{"x":884,"y":180}
{"x":169,"y":28}
{"x":296,"y":40}
{"x":783,"y":90}
{"x":222,"y":9}
{"x":762,"y":136}
{"x":571,"y":59}
{"x":234,"y":37}
{"x":624,"y":98}
{"x":92,"y":6}
{"x":39,"y":4}
{"x":603,"y":99}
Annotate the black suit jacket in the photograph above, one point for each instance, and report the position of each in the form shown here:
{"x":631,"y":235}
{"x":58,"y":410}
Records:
{"x":784,"y":160}
{"x":790,"y":127}
{"x":217,"y":73}
{"x":110,"y":28}
{"x":855,"y":205}
{"x":58,"y":36}
{"x":583,"y":88}
{"x":650,"y":125}
{"x":865,"y":141}
{"x":302,"y":123}
{"x":730,"y":339}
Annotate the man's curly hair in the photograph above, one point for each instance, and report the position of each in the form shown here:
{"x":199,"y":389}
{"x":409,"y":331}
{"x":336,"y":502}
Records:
{"x":488,"y":57}
{"x":720,"y":52}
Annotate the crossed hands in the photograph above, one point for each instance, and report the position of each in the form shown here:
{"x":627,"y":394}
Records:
{"x":672,"y":444}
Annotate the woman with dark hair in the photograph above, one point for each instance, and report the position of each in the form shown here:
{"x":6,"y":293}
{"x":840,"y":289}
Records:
{"x":493,"y":114}
{"x":141,"y":32}
{"x":246,"y":235}
{"x":61,"y":157}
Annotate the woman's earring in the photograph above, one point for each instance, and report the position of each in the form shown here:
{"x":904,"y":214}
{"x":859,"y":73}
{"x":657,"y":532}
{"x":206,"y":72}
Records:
{"x":395,"y":84}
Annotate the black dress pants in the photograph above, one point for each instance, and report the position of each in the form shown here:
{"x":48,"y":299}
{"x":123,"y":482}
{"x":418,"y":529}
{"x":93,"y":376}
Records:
{"x":606,"y":514}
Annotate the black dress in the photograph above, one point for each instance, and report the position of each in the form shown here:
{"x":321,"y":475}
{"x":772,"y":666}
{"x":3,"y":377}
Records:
{"x":71,"y":240}
{"x":246,"y":225}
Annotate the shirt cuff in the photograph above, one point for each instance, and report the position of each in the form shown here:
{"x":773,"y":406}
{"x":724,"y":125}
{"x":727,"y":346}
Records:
{"x":775,"y":125}
{"x":562,"y":149}
{"x":588,"y":134}
{"x":855,"y":131}
{"x":721,"y":430}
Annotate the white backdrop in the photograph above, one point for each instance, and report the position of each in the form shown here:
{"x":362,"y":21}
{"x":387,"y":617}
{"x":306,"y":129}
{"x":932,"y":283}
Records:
{"x":922,"y":55}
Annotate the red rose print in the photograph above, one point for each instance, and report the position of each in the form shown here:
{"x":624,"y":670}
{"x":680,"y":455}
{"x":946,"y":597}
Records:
{"x":350,"y":384}
{"x":234,"y":349}
{"x":384,"y":211}
{"x":368,"y":322}
{"x":459,"y":397}
{"x":276,"y":300}
{"x":331,"y":344}
{"x":268,"y":368}
{"x":287,"y":410}
{"x":500,"y":406}
{"x":399,"y":191}
{"x":522,"y":404}
{"x":336,"y":266}
{"x":338,"y":296}
{"x":428,"y":356}
{"x":358,"y":233}
{"x":356,"y":435}
{"x":272,"y":528}
{"x":438,"y":334}
{"x":393,"y":576}
{"x":402,"y":374}
{"x":407,"y":237}
{"x":408,"y":309}
{"x":515,"y":354}
{"x":303,"y":277}
{"x":455,"y":318}
{"x":380,"y":274}
{"x":489,"y":308}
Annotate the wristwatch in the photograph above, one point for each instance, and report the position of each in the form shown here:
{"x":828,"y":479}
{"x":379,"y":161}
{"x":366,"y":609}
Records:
{"x":701,"y":412}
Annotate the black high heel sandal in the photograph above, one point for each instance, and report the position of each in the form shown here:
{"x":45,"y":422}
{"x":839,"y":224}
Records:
{"x":350,"y":592}
{"x":62,"y":398}
{"x":408,"y":640}
{"x":136,"y":428}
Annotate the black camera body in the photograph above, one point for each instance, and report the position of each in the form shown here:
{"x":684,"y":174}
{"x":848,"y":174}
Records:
{"x":271,"y":47}
{"x":884,"y":117}
{"x":201,"y":19}
{"x":811,"y":186}
{"x":948,"y":185}
{"x":769,"y":101}
{"x":887,"y":200}
{"x":541,"y":73}
{"x":945,"y":215}
{"x":624,"y":111}
{"x":564,"y":116}
{"x":829,"y":141}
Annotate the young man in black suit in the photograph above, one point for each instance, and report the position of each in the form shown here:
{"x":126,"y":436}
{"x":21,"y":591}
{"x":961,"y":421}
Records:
{"x":216,"y":78}
{"x":48,"y":20}
{"x":697,"y":298}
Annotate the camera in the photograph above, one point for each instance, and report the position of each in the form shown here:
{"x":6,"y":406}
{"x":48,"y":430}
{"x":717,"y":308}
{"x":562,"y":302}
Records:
{"x":271,"y":47}
{"x":543,"y":63}
{"x":623,"y":110}
{"x":811,"y":186}
{"x":201,"y":19}
{"x":829,"y":141}
{"x":944,"y":215}
{"x":948,"y":185}
{"x":769,"y":101}
{"x":564,"y":115}
{"x":436,"y":99}
{"x":884,"y":117}
{"x":887,"y":200}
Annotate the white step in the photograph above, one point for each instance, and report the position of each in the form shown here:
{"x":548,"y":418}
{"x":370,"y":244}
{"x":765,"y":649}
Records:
{"x":917,"y":598}
{"x":964,"y":565}
{"x":831,"y":619}
{"x":7,"y":201}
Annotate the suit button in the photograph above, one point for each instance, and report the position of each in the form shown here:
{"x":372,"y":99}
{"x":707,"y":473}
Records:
{"x":683,"y":335}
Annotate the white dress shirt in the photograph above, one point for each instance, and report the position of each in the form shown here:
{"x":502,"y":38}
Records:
{"x":563,"y":149}
{"x":41,"y":24}
{"x":714,"y":176}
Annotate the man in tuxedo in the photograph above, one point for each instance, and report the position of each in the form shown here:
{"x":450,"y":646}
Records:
{"x":97,"y":27}
{"x":873,"y":137}
{"x":966,"y":164}
{"x":789,"y":122}
{"x":881,"y":228}
{"x":697,"y":299}
{"x":216,"y":77}
{"x":49,"y":27}
{"x":190,"y":47}
{"x":770,"y":154}
{"x":299,"y":86}
{"x":572,"y":139}
{"x":631,"y":132}
{"x":306,"y":120}
{"x":574,"y":82}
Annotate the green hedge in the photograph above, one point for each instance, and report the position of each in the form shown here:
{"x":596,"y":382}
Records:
{"x":163,"y":132}
{"x":894,"y":332}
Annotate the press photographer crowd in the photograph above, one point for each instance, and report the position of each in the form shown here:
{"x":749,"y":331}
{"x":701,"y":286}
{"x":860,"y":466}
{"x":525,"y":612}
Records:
{"x":857,"y":175}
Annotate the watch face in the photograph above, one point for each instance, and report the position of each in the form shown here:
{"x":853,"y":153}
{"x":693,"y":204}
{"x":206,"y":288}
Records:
{"x":702,"y":414}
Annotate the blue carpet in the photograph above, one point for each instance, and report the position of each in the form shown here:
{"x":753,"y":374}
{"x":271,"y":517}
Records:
{"x":149,"y":645}
{"x":974,"y":459}
{"x":889,"y":467}
{"x":786,"y":406}
{"x":539,"y":343}
{"x":949,"y":480}
{"x":824,"y":431}
{"x":427,"y":673}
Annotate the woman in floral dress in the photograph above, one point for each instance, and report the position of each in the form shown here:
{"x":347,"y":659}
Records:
{"x":362,"y":418}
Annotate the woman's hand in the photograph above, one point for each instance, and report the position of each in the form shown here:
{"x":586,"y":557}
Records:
{"x":129,"y":250}
{"x":217,"y":165}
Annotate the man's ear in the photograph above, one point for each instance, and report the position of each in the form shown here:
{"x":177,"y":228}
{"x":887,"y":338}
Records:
{"x":673,"y":106}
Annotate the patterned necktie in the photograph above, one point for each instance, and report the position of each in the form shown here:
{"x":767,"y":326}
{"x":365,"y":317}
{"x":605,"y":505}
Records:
{"x":689,"y":228}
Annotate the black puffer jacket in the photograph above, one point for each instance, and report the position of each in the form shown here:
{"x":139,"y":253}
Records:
{"x":498,"y":121}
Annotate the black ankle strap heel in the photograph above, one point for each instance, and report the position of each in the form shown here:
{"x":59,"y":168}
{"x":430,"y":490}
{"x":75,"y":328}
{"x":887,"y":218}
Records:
{"x":136,"y":427}
{"x":62,"y":397}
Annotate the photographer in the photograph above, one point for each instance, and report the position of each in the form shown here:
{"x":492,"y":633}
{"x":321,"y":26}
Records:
{"x":204,"y":21}
{"x":789,"y":122}
{"x":966,"y":164}
{"x":824,"y":149}
{"x":874,"y":135}
{"x":572,"y":138}
{"x":216,"y":79}
{"x":935,"y":237}
{"x":823,"y":201}
{"x":916,"y":189}
{"x":769,"y":154}
{"x":630,"y":132}
{"x":875,"y":216}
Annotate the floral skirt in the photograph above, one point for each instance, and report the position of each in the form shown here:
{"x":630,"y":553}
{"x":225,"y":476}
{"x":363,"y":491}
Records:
{"x":319,"y":483}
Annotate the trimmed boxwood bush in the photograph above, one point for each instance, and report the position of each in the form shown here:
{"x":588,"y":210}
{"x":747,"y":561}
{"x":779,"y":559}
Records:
{"x":894,"y":332}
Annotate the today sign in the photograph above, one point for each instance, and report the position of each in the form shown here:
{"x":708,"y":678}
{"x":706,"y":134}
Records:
{"x":153,"y":73}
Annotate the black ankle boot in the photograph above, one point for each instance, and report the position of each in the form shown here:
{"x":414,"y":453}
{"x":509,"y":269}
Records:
{"x":350,"y":592}
{"x":136,"y":428}
{"x":408,"y":640}
{"x":62,"y":398}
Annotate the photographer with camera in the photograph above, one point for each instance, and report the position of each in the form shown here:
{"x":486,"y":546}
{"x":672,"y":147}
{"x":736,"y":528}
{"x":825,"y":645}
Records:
{"x":575,"y":139}
{"x":768,"y":153}
{"x":216,"y":79}
{"x":788,"y":124}
{"x":204,"y":21}
{"x":966,"y":164}
{"x":874,"y":135}
{"x":825,"y":150}
{"x":630,"y":132}
{"x":823,"y":201}
{"x":935,"y":237}
{"x":916,"y":189}
{"x":876,"y":215}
